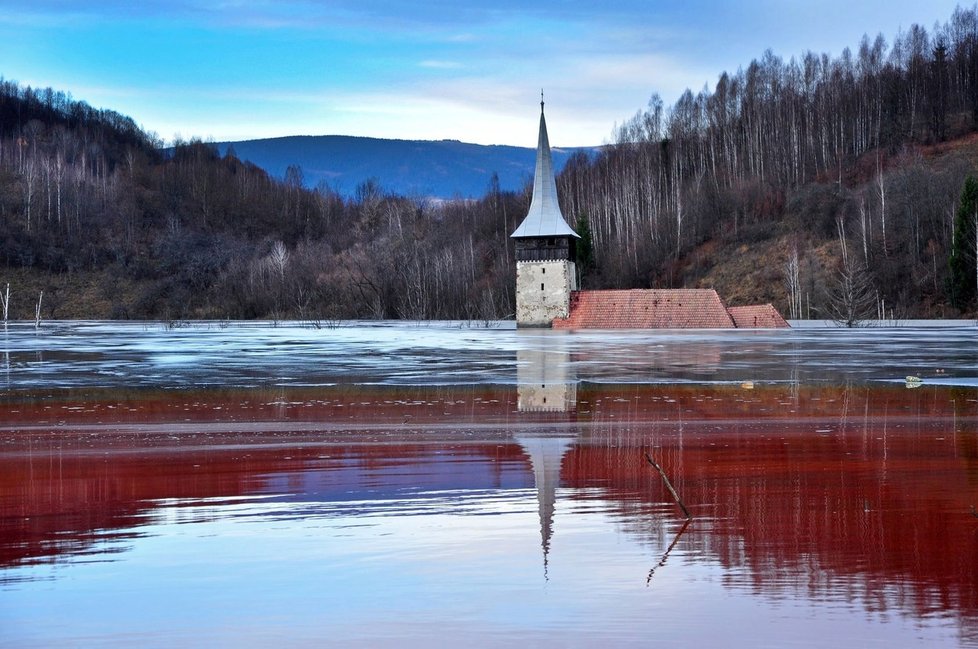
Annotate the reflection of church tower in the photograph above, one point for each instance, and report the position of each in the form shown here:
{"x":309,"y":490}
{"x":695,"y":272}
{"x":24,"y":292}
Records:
{"x":546,"y":382}
{"x":545,"y":379}
{"x":545,"y":272}
{"x":545,"y":454}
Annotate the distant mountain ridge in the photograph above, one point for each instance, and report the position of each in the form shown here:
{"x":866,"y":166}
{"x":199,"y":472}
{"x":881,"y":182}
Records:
{"x":441,"y":169}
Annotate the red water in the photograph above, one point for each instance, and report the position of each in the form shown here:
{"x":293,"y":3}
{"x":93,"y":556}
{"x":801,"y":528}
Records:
{"x":864,"y":496}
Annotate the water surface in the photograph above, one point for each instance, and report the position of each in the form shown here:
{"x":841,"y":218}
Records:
{"x":419,"y":485}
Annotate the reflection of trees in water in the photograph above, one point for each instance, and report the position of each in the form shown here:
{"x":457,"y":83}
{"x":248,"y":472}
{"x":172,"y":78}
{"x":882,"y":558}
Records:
{"x":963,"y":401}
{"x":59,"y":502}
{"x":833,"y":491}
{"x":842,"y":493}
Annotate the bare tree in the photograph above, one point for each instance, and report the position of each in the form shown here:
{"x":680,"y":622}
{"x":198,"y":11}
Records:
{"x":279,"y":259}
{"x":851,"y":297}
{"x":793,"y":282}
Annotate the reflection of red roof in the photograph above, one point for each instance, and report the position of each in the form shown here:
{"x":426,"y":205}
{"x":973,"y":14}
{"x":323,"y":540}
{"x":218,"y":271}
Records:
{"x":687,"y":308}
{"x":758,"y":316}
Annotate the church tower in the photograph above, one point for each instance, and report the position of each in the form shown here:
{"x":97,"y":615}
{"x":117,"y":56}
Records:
{"x":545,"y":246}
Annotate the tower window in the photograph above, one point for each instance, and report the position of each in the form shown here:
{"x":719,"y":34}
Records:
{"x":543,"y":270}
{"x":541,"y":286}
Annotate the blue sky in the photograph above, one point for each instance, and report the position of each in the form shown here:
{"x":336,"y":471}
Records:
{"x":239,"y":69}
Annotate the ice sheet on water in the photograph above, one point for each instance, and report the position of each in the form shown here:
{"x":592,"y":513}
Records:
{"x":246,"y":354}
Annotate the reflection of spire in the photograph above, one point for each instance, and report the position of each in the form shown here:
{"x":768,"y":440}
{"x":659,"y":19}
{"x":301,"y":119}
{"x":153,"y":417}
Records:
{"x":546,"y":454}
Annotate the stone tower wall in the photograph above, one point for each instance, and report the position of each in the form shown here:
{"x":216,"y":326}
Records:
{"x":543,"y":290}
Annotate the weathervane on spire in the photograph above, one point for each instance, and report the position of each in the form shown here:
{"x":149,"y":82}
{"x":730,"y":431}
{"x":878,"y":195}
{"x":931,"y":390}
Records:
{"x":541,"y":100}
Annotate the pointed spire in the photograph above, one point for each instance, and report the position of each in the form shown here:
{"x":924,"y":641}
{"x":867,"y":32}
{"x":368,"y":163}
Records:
{"x":544,"y":218}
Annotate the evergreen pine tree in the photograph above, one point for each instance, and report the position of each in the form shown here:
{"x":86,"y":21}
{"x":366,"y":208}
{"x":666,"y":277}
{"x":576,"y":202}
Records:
{"x":585,"y":248}
{"x":962,"y":280}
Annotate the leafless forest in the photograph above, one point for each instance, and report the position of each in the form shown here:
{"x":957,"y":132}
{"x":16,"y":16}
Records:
{"x":829,"y":186}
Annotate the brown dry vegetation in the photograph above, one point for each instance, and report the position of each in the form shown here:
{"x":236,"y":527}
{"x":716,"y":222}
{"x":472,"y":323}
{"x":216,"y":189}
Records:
{"x":854,"y":166}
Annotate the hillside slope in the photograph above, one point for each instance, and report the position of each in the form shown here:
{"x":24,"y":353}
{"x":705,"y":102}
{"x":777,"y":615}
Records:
{"x":443,"y":169}
{"x":752,"y":264}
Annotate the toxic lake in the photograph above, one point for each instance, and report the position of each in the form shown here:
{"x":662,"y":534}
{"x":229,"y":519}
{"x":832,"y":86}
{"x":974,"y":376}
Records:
{"x":449,"y":484}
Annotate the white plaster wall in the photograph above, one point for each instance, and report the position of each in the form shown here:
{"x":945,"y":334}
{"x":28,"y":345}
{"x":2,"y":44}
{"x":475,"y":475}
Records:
{"x":543,"y":291}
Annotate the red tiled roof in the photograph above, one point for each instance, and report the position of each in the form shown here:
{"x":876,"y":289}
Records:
{"x":646,"y":309}
{"x":758,"y":316}
{"x":686,"y":308}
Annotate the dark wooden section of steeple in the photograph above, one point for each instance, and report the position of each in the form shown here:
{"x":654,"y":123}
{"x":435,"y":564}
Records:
{"x":545,"y":249}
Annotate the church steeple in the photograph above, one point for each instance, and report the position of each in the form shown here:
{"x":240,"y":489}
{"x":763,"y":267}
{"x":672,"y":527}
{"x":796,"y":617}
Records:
{"x":544,"y":218}
{"x":545,"y":247}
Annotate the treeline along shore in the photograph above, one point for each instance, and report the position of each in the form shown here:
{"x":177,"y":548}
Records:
{"x":829,"y":186}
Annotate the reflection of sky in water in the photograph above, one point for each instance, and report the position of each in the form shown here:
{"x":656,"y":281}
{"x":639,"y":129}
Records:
{"x":251,"y":354}
{"x":449,"y":568}
{"x":375,"y":544}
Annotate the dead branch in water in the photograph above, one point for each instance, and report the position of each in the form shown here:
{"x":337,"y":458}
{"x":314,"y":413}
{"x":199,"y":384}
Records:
{"x":665,"y":556}
{"x":665,"y":479}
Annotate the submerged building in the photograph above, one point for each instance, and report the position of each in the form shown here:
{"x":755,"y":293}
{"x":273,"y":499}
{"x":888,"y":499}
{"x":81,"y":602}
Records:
{"x":545,"y":248}
{"x":546,"y":278}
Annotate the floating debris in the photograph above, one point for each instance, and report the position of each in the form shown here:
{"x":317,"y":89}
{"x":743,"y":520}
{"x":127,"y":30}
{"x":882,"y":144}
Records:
{"x":914,"y":381}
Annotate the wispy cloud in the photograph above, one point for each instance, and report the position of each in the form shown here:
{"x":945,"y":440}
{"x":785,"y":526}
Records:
{"x":441,"y":65}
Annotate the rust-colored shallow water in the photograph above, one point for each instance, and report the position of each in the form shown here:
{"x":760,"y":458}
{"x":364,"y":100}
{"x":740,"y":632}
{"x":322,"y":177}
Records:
{"x":494,"y":514}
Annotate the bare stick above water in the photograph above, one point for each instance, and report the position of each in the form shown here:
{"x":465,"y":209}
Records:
{"x":665,"y":479}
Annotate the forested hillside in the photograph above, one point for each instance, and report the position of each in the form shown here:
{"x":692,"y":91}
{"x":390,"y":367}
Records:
{"x":93,"y":214}
{"x":829,"y":186}
{"x":794,"y":179}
